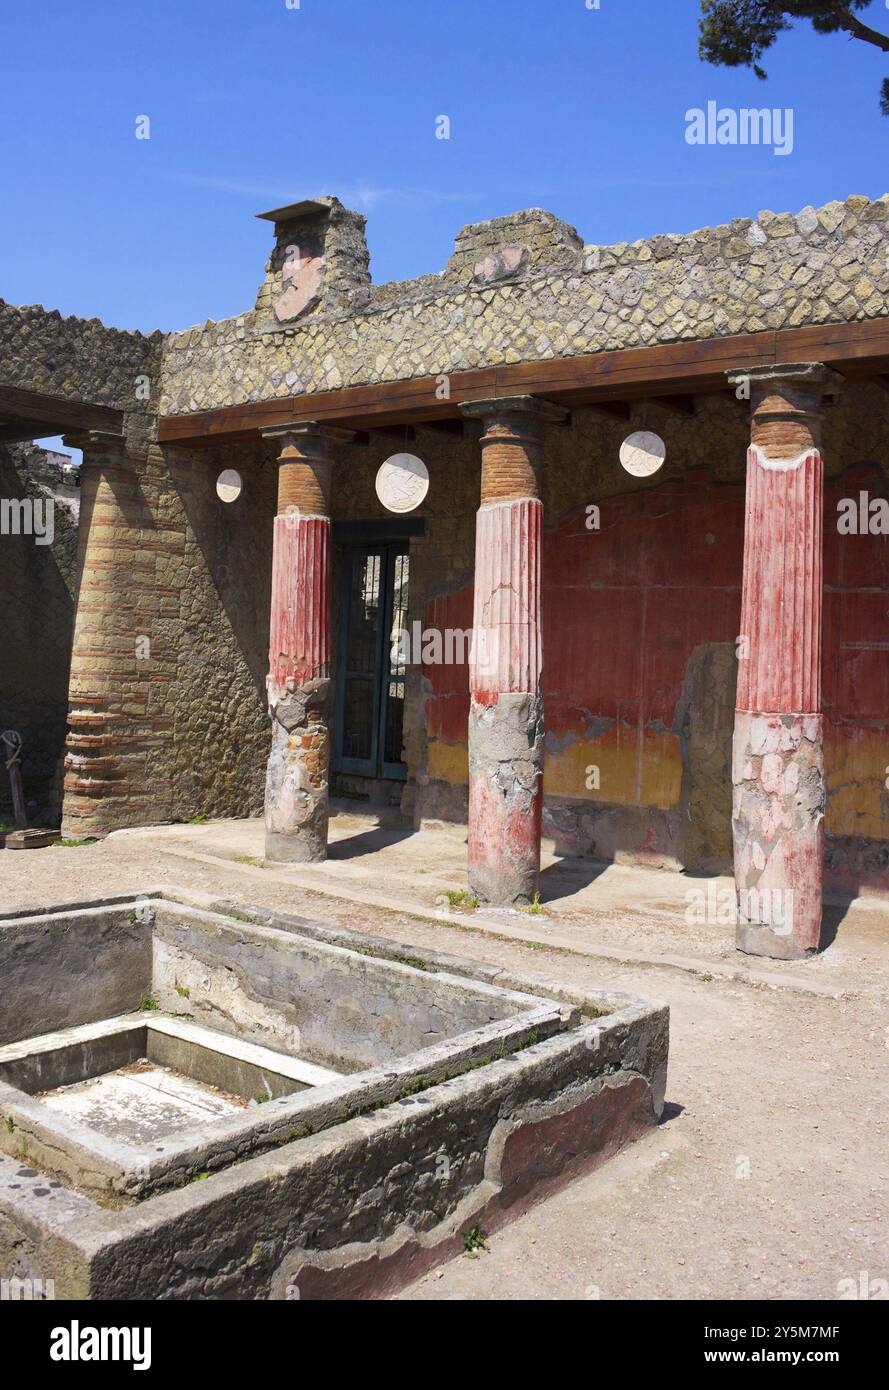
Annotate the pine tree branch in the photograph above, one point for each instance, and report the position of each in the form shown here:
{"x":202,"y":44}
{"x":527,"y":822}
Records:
{"x":851,"y":24}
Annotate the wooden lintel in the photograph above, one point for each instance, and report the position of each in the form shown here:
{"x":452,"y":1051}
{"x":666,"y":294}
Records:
{"x":615,"y":410}
{"x":403,"y":434}
{"x":606,"y":379}
{"x":454,"y":427}
{"x":678,"y":405}
{"x":22,"y":431}
{"x":55,"y":415}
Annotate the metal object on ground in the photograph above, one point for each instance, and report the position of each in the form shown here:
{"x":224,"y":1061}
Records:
{"x":21,"y":837}
{"x":12,"y":749}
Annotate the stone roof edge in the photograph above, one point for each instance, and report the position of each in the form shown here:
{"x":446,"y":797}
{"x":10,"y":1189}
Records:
{"x":660,"y":247}
{"x":156,"y":334}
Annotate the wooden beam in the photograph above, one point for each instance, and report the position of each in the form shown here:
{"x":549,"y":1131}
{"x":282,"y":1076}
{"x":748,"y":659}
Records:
{"x":672,"y":370}
{"x":454,"y":427}
{"x":401,"y":434}
{"x":615,"y":410}
{"x":677,"y":405}
{"x":55,"y":415}
{"x":22,"y":431}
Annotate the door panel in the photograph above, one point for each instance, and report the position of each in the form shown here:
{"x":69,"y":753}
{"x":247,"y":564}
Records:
{"x":370,"y":681}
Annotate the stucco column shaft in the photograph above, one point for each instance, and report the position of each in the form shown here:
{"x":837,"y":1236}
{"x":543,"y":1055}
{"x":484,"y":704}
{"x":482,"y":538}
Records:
{"x":506,"y":722}
{"x":299,"y":686}
{"x":106,"y":772}
{"x":777,"y":757}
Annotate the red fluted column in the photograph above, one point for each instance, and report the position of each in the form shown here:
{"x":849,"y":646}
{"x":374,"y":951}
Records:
{"x":299,"y":686}
{"x":777,"y":757}
{"x":506,"y":723}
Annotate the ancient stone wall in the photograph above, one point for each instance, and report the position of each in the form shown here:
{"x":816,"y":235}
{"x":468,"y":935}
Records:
{"x":221,"y":726}
{"x":37,"y":593}
{"x":77,"y":359}
{"x":179,"y":658}
{"x":558,"y":299}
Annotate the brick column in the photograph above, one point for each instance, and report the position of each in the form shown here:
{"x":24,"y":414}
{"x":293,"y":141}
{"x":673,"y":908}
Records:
{"x":777,"y":759}
{"x":506,"y":727}
{"x":119,"y":723}
{"x":299,"y":685}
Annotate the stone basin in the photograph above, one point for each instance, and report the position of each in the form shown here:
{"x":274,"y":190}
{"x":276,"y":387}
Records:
{"x":204,"y":1100}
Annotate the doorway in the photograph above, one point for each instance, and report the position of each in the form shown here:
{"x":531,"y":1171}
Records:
{"x":370,"y":670}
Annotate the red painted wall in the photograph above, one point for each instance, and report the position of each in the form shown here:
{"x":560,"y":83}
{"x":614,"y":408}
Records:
{"x":626,"y":606}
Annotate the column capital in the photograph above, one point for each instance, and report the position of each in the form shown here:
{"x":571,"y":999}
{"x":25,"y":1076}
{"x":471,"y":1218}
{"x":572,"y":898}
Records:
{"x":296,"y":436}
{"x":532,"y":406}
{"x":306,"y":451}
{"x":786,"y":406}
{"x":95,"y":441}
{"x":793,"y":373}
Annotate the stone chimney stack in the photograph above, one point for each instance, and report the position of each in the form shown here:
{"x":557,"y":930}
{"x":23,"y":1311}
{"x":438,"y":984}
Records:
{"x":319,"y":264}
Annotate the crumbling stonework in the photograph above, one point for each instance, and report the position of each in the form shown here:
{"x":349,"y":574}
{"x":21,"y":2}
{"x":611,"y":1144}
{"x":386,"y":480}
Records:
{"x":526,"y":242}
{"x":298,"y":776}
{"x":506,"y":741}
{"x":823,"y":266}
{"x":778,"y":813}
{"x":319,"y":262}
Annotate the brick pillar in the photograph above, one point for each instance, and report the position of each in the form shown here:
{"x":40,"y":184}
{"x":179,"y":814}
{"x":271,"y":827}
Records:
{"x":119,"y":721}
{"x":506,"y":727}
{"x":777,"y":758}
{"x":299,"y":685}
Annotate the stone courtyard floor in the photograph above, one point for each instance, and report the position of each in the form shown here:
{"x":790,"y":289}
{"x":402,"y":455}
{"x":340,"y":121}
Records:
{"x":769,"y":1175}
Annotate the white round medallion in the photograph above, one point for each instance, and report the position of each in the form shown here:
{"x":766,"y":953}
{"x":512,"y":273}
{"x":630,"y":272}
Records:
{"x":402,"y":482}
{"x":643,"y":453}
{"x":229,"y":485}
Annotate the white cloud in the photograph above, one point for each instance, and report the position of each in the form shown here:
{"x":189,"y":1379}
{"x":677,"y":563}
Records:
{"x":365,"y":196}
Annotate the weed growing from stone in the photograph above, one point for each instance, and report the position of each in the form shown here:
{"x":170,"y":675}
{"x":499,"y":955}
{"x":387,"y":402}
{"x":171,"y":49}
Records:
{"x":474,"y":1240}
{"x":420,"y":1083}
{"x":461,"y":900}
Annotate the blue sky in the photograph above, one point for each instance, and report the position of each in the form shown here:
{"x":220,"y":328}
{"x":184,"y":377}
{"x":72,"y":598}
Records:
{"x":252,"y":104}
